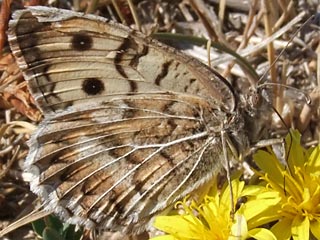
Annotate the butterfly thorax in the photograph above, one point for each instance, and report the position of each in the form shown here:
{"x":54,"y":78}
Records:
{"x":256,"y":111}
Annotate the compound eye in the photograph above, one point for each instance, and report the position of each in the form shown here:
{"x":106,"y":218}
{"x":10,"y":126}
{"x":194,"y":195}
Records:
{"x":255,"y":99}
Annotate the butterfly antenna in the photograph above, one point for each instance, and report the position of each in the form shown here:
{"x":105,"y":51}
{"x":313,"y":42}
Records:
{"x":285,"y":48}
{"x":268,"y":84}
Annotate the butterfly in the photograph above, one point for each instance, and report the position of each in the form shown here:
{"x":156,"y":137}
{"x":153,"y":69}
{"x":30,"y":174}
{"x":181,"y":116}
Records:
{"x":130,"y":125}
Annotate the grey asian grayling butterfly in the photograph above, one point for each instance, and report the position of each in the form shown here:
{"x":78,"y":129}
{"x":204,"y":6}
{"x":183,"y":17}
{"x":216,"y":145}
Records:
{"x":131,"y":125}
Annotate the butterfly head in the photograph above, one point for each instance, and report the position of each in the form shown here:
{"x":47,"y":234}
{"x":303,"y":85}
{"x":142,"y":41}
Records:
{"x":256,"y":108}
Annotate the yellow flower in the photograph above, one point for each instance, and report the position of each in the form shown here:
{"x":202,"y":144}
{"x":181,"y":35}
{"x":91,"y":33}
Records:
{"x":211,"y":220}
{"x":298,"y":185}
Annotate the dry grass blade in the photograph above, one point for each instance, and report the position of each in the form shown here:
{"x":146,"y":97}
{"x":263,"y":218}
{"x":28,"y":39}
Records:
{"x":27,"y":219}
{"x":262,"y":43}
{"x":134,"y":14}
{"x":213,"y":32}
{"x":4,"y":16}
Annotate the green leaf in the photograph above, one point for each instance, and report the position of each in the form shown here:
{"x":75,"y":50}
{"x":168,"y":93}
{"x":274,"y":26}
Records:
{"x":55,"y":223}
{"x":51,"y":234}
{"x":71,"y":233}
{"x":38,"y":226}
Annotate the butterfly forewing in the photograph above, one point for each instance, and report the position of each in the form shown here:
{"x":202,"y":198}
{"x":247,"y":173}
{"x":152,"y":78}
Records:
{"x":87,"y":55}
{"x":131,"y":125}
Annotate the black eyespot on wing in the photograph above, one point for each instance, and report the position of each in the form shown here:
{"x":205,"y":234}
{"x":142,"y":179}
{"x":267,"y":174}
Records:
{"x":81,"y":42}
{"x":92,"y":86}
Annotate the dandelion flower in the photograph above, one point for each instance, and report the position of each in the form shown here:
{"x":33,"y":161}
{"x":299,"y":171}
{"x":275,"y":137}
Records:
{"x":298,"y":185}
{"x":210,"y":220}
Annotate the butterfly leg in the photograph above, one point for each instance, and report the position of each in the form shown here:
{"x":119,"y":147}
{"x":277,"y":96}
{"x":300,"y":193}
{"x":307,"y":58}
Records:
{"x":224,"y":139}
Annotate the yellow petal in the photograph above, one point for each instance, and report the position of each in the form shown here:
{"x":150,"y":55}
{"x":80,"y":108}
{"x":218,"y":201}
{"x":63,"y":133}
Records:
{"x":239,"y":229}
{"x":267,"y":205}
{"x":300,"y":228}
{"x":179,"y":226}
{"x":282,"y":229}
{"x":237,"y":187}
{"x":313,"y":165}
{"x":253,"y":190}
{"x":269,"y":163}
{"x":262,"y":234}
{"x":296,"y":152}
{"x":315,"y":228}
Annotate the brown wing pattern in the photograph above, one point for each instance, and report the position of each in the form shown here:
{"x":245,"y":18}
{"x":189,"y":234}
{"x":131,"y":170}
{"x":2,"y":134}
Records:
{"x":131,"y":125}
